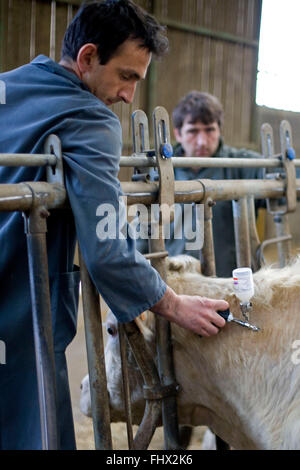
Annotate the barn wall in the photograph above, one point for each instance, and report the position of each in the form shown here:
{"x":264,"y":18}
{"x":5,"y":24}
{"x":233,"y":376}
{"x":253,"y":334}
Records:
{"x":213,"y":47}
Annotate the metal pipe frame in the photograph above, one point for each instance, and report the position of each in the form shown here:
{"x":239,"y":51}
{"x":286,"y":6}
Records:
{"x":96,"y":360}
{"x":37,"y":197}
{"x":254,"y":238}
{"x":197,"y":191}
{"x":34,"y":199}
{"x":35,"y":228}
{"x":126,"y":387}
{"x":208,"y":266}
{"x":142,"y":161}
{"x":283,"y":237}
{"x":165,"y":354}
{"x":23,"y":159}
{"x":242,"y":233}
{"x":22,"y":196}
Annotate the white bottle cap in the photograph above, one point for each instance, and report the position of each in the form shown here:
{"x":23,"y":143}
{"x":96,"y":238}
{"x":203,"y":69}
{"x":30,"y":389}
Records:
{"x":243,"y":285}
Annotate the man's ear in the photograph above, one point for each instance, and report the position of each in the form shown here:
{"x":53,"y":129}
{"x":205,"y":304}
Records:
{"x":86,"y":56}
{"x":177,"y":134}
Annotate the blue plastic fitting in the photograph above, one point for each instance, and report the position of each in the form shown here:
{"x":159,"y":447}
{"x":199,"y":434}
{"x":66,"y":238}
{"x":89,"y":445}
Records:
{"x":290,"y":153}
{"x":166,"y":151}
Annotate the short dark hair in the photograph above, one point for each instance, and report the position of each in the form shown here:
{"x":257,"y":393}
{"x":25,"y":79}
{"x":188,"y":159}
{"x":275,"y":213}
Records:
{"x":199,"y":106}
{"x":109,"y":23}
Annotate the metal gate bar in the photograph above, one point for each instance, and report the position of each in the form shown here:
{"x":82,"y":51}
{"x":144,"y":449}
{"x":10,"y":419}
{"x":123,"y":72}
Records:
{"x":35,"y":228}
{"x":241,"y":232}
{"x":217,"y":190}
{"x":208,"y":267}
{"x":34,"y":199}
{"x":96,"y":360}
{"x":140,"y":161}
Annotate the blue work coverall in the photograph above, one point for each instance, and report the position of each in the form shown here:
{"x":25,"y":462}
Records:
{"x":43,"y":98}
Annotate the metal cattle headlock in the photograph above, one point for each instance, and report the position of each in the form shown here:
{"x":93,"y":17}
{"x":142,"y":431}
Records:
{"x":35,"y":199}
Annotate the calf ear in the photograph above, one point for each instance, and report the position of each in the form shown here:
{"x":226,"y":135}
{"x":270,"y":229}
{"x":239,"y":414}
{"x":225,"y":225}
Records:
{"x":184,"y":263}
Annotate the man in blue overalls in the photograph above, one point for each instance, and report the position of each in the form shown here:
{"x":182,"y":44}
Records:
{"x":106,"y":51}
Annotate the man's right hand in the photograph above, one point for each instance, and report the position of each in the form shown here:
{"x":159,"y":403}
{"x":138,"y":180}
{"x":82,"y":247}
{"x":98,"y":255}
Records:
{"x":195,"y":313}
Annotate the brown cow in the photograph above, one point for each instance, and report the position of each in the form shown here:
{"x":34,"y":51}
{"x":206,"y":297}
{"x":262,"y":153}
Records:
{"x":244,"y":385}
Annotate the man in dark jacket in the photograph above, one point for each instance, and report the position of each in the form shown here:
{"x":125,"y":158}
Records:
{"x":197,"y":121}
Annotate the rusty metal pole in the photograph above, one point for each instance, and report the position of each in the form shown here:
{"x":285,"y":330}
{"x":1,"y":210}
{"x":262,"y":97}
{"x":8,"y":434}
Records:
{"x":241,"y":232}
{"x":163,"y":328}
{"x":254,"y":237}
{"x":96,"y":360}
{"x":208,"y":267}
{"x":35,"y":229}
{"x":126,"y":387}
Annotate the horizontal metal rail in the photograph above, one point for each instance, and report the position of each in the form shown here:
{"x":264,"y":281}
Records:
{"x":7,"y":159}
{"x":197,"y":190}
{"x":23,"y":159}
{"x":201,"y":162}
{"x":22,"y":196}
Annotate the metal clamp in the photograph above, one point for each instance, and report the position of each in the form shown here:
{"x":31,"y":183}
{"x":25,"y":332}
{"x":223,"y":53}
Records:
{"x":55,"y":174}
{"x":164,"y":151}
{"x":158,"y":392}
{"x":141,"y":146}
{"x":286,"y":168}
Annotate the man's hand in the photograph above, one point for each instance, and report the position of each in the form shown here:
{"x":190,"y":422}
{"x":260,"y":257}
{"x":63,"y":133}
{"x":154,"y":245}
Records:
{"x":195,"y":313}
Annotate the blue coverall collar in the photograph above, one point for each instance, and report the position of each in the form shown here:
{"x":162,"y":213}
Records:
{"x":54,"y":67}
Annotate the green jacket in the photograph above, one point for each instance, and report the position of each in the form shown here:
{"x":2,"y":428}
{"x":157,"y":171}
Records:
{"x":223,"y":229}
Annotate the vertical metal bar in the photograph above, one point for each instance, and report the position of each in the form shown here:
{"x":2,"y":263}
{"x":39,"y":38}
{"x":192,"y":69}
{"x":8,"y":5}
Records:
{"x":96,"y":360}
{"x":52,"y":30}
{"x":254,"y":238}
{"x":208,"y":267}
{"x":126,"y":388}
{"x":35,"y":228}
{"x":241,"y":232}
{"x":161,"y":130}
{"x":284,"y":249}
{"x":165,"y":356}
